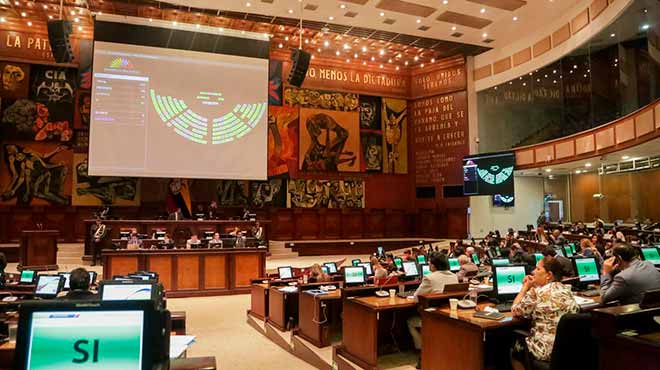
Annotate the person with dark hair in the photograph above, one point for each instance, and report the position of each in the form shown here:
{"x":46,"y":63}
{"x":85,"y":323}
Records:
{"x":566,"y":264}
{"x":432,"y":283}
{"x":544,"y":299}
{"x":79,"y":286}
{"x":633,"y":279}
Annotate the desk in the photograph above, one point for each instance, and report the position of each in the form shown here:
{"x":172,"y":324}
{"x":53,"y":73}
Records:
{"x":179,"y":231}
{"x":259,"y":300}
{"x":360,"y":326}
{"x":458,"y":338}
{"x":282,"y":306}
{"x":191,"y":272}
{"x":318,"y":316}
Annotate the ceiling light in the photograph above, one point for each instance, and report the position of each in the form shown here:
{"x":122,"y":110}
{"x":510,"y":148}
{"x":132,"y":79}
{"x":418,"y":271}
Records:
{"x":482,"y":11}
{"x":364,"y":63}
{"x":347,"y":60}
{"x":625,"y":157}
{"x":346,"y":46}
{"x":389,"y":60}
{"x":45,"y":6}
{"x":484,"y":35}
{"x":422,"y":65}
{"x":3,"y":19}
{"x":381,"y":52}
{"x":397,"y":68}
{"x":337,"y":52}
{"x":175,"y":23}
{"x":76,"y":19}
{"x":587,"y":164}
{"x":364,"y":49}
{"x":248,"y":4}
{"x":380,"y":66}
{"x":29,"y":24}
{"x":280,"y":45}
{"x":453,"y":28}
{"x":612,"y":34}
{"x":343,"y":6}
{"x":151,"y":19}
{"x":574,"y":66}
{"x":312,"y":57}
{"x":406,"y":63}
{"x":80,"y":28}
{"x":554,"y":81}
{"x":445,"y":2}
{"x":578,"y":172}
{"x":23,"y":14}
{"x":355,"y":55}
{"x":515,"y":18}
{"x":373,"y":58}
{"x":432,"y":60}
{"x":326,"y":43}
{"x":645,"y":27}
{"x":538,"y":80}
{"x":318,"y":50}
{"x":418,"y":20}
{"x":331,"y":18}
{"x":286,"y":38}
{"x":548,"y":170}
{"x":416,"y":58}
{"x":382,"y":14}
{"x":72,"y":12}
{"x":242,"y":32}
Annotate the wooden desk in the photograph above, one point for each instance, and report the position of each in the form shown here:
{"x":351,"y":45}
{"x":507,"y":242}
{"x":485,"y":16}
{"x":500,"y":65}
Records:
{"x":458,"y":338}
{"x":318,"y":316}
{"x":360,"y":326}
{"x":38,"y":250}
{"x":259,"y":300}
{"x":191,"y":272}
{"x":7,"y":355}
{"x":282,"y":306}
{"x":179,"y":231}
{"x":195,"y":363}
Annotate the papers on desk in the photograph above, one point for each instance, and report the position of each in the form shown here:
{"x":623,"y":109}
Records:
{"x":179,"y":344}
{"x":316,"y":292}
{"x":581,"y":301}
{"x":481,"y":288}
{"x":288,"y":289}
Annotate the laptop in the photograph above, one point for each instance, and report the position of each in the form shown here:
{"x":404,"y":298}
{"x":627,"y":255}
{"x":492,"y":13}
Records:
{"x":285,"y":272}
{"x":421,"y":259}
{"x":652,"y":255}
{"x":507,"y":283}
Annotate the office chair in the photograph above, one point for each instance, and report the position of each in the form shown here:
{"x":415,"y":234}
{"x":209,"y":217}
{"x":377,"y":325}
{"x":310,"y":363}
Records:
{"x":574,"y":347}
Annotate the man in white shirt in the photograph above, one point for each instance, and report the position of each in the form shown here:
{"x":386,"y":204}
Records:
{"x":432,"y":283}
{"x":193,"y":241}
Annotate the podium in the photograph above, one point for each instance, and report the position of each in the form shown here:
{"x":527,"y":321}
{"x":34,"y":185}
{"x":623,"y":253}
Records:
{"x":38,"y":250}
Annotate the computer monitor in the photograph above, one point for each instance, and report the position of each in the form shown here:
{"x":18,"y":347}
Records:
{"x":573,"y":247}
{"x":398,"y":262}
{"x":325,"y":270}
{"x":160,"y":235}
{"x":587,"y":270}
{"x":421,"y":258}
{"x":500,"y":261}
{"x":651,"y":254}
{"x":426,"y":269}
{"x":208,"y":235}
{"x":285,"y":272}
{"x":128,"y":291}
{"x":332,"y":267}
{"x":355,"y":262}
{"x":140,"y":277}
{"x":93,"y":335}
{"x":380,"y":251}
{"x":538,"y":257}
{"x":560,"y":252}
{"x":568,"y":251}
{"x":124,"y":234}
{"x":48,"y":286}
{"x":355,"y":275}
{"x":508,"y":281}
{"x":410,"y":269}
{"x":67,"y":279}
{"x":475,"y":259}
{"x":367,"y":267}
{"x":454,"y":265}
{"x":92,"y":277}
{"x":28,"y":277}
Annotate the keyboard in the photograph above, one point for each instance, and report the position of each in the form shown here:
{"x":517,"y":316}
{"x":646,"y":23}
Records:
{"x":504,"y":307}
{"x":405,"y":294}
{"x":590,"y":293}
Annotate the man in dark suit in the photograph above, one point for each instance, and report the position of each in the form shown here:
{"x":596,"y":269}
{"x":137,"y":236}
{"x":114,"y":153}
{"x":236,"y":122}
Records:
{"x":635,"y":276}
{"x":79,"y":286}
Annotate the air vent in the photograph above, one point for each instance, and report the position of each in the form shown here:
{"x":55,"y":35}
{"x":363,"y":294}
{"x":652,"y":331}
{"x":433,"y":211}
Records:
{"x":389,"y":21}
{"x":488,"y":41}
{"x":311,"y":7}
{"x":457,"y":34}
{"x":267,"y":1}
{"x":350,"y":14}
{"x":424,"y":28}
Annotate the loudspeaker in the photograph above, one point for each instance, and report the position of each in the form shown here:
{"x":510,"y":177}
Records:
{"x":58,"y":35}
{"x":299,"y":64}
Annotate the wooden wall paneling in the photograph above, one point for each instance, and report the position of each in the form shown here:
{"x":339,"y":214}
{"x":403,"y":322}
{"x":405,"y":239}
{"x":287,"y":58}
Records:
{"x":597,"y":7}
{"x":561,"y":35}
{"x":502,"y":65}
{"x":331,"y":223}
{"x":307,"y":223}
{"x":580,"y":21}
{"x":4,"y":221}
{"x":60,"y":219}
{"x":425,"y":222}
{"x":163,"y":266}
{"x":374,"y":223}
{"x":583,"y":205}
{"x":246,"y":267}
{"x":483,"y":72}
{"x":216,"y":271}
{"x":187,"y":267}
{"x":644,"y":123}
{"x":283,"y":225}
{"x":605,"y":138}
{"x":647,"y":203}
{"x":396,"y":224}
{"x":19,"y":219}
{"x":618,"y":196}
{"x":123,"y":266}
{"x":455,"y":220}
{"x":542,"y":46}
{"x":352,"y":226}
{"x":523,"y":56}
{"x":625,"y":131}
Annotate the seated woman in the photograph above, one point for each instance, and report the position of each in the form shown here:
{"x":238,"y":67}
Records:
{"x":545,"y":300}
{"x":316,"y":274}
{"x":379,"y":271}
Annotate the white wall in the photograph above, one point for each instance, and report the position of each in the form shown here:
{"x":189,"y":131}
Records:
{"x":529,"y":203}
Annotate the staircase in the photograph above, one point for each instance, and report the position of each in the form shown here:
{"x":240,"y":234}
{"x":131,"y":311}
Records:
{"x":69,"y":255}
{"x":279,"y":250}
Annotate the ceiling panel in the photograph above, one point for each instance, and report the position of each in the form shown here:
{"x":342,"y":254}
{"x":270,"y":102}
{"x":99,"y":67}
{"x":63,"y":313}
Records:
{"x":509,"y":5}
{"x":406,"y":7}
{"x":464,"y":20}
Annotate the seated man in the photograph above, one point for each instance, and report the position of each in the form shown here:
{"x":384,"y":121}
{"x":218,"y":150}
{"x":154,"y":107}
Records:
{"x":134,"y":242}
{"x":467,"y":270}
{"x":432,"y":283}
{"x":193,"y":241}
{"x":79,"y":286}
{"x":634,"y":278}
{"x":216,"y":242}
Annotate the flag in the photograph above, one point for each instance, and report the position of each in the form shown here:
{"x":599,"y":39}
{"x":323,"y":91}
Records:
{"x":178,"y":196}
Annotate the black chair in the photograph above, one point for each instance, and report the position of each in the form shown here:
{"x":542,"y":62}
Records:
{"x":574,"y":346}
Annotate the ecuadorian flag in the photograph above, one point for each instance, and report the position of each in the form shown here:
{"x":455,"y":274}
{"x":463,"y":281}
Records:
{"x":178,"y":196}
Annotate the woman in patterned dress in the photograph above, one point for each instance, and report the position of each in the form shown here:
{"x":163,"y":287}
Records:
{"x":544,"y":299}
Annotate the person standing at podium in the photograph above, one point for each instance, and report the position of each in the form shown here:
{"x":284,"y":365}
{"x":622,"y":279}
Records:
{"x":98,"y":233}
